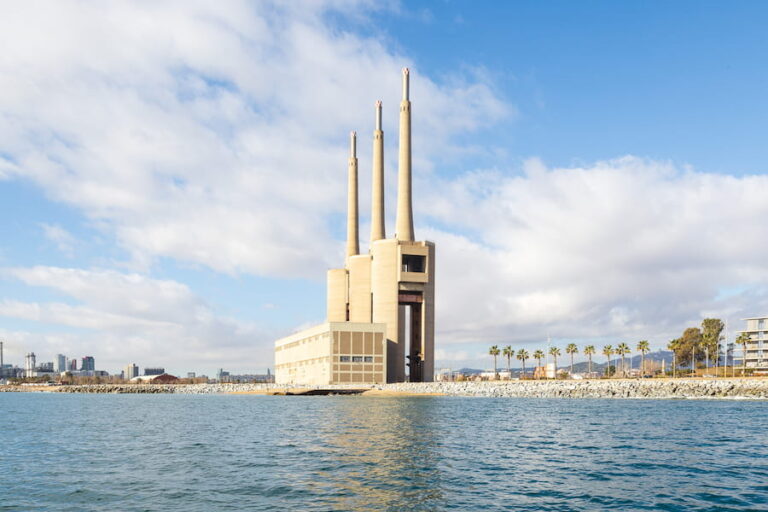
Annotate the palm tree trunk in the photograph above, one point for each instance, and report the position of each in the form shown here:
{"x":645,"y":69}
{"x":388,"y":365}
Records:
{"x":693,"y":360}
{"x":523,"y":375}
{"x":590,"y":363}
{"x":571,"y":363}
{"x":744,"y":361}
{"x":642,"y":363}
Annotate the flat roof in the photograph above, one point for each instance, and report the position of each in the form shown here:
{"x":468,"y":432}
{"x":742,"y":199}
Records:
{"x":332,"y":326}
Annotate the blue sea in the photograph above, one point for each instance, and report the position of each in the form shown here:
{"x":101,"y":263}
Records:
{"x":67,"y":452}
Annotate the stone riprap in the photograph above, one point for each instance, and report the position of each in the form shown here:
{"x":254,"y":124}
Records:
{"x":638,"y":388}
{"x":598,"y":388}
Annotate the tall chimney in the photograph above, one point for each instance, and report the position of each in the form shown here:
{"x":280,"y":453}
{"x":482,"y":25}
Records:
{"x":377,"y":199}
{"x":353,"y":245}
{"x":404,"y":224}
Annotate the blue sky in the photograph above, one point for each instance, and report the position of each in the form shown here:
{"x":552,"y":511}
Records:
{"x":172,"y":185}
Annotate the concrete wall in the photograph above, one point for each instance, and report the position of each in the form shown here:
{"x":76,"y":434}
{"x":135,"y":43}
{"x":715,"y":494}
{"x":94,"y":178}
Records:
{"x":337,"y":294}
{"x":332,"y":353}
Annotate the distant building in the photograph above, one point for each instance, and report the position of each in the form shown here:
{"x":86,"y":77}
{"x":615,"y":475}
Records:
{"x":757,"y":348}
{"x":163,"y":378}
{"x":154,"y":371}
{"x":72,"y":367}
{"x":130,"y":371}
{"x":30,"y":363}
{"x":491,"y":375}
{"x":46,"y":367}
{"x":548,"y":371}
{"x":88,"y":364}
{"x":222,"y":376}
{"x":190,"y":375}
{"x":61,"y":363}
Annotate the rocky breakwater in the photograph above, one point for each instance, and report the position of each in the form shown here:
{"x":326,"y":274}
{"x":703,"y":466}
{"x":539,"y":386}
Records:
{"x":598,"y":388}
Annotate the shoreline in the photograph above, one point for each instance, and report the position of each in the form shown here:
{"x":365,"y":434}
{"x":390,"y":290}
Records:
{"x":690,"y":388}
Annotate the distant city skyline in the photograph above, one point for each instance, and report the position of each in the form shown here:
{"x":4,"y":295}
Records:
{"x":169,"y":173}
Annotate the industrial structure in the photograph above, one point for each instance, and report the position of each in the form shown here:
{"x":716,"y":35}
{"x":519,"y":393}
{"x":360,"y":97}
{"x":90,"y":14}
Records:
{"x":380,"y":305}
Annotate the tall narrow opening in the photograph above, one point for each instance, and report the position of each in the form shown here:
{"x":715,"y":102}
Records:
{"x":411,"y":304}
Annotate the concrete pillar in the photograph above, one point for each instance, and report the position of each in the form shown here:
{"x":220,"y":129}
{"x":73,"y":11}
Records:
{"x":404,"y":225}
{"x":377,"y":200}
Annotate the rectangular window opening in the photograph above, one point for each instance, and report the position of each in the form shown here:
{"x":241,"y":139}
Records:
{"x":414,"y":263}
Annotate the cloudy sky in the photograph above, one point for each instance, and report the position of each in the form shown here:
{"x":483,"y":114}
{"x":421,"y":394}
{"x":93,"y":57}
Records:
{"x":172,"y":174}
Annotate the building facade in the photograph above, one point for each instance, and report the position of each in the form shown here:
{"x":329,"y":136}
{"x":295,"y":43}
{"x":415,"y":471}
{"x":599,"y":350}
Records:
{"x":130,"y":371}
{"x":393,"y":285}
{"x":333,"y":353}
{"x":61,"y":363}
{"x":757,"y":348}
{"x":88,"y":364}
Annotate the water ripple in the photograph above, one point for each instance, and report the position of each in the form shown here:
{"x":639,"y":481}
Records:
{"x":208,"y":453}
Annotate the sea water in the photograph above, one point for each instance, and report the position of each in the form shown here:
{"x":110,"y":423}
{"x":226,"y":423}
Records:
{"x":71,"y":452}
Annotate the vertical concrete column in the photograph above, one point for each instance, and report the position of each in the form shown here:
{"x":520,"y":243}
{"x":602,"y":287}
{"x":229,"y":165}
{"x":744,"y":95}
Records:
{"x":404,"y":225}
{"x":353,"y":245}
{"x":377,"y":199}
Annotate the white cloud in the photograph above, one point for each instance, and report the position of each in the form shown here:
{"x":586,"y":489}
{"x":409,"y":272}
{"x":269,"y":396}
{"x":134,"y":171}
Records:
{"x":210,"y":134}
{"x":125,"y":318}
{"x":62,"y":238}
{"x":623,"y":248}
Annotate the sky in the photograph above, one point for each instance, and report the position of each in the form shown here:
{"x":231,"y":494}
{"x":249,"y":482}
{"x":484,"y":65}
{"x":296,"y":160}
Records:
{"x":173,"y":174}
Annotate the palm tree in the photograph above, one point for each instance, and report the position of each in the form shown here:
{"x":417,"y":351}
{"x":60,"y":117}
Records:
{"x":554,"y":352}
{"x":508,"y":353}
{"x":538,"y":356}
{"x":522,"y":355}
{"x":588,"y":351}
{"x":494,"y":351}
{"x":571,"y":349}
{"x":674,"y":345}
{"x":742,"y":340}
{"x":643,"y":346}
{"x":607,"y":352}
{"x":623,"y":349}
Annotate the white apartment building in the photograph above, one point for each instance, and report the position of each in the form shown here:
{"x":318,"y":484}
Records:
{"x":757,"y":348}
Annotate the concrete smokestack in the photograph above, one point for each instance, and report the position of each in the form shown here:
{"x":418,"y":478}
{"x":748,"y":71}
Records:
{"x":404,"y":224}
{"x":377,"y":199}
{"x":353,"y":244}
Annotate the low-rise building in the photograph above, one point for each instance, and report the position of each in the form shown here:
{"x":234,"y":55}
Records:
{"x":333,"y":353}
{"x":156,"y":379}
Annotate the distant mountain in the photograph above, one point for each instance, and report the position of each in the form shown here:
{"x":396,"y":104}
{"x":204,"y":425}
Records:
{"x":598,"y":361}
{"x":470,"y":371}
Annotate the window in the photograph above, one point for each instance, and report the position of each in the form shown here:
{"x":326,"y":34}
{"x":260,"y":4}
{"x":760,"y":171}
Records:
{"x":368,"y":359}
{"x":344,"y":359}
{"x":761,"y":323}
{"x":414,"y":263}
{"x":357,"y":359}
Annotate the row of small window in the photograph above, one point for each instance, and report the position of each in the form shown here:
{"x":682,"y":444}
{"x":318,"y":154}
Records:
{"x":356,"y":359}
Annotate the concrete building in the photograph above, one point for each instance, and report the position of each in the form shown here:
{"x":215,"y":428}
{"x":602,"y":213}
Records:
{"x":333,"y":353}
{"x":130,"y":371}
{"x":30,"y":363}
{"x":757,"y":348}
{"x":154,"y":371}
{"x":392,"y":286}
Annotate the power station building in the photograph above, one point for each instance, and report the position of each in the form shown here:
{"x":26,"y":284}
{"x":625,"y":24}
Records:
{"x":381,"y":305}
